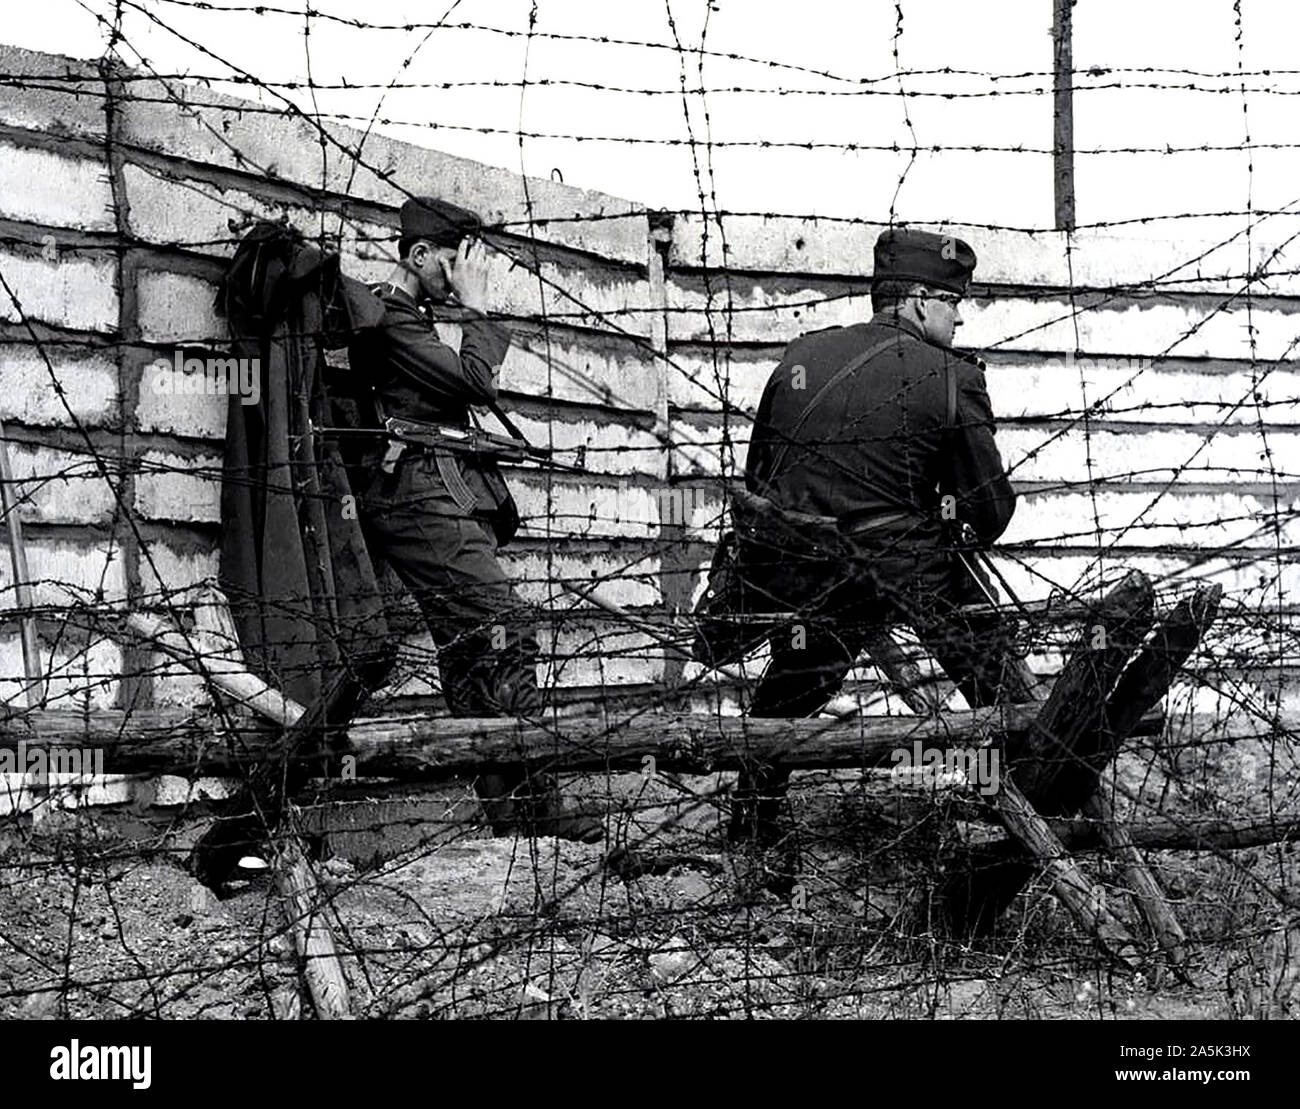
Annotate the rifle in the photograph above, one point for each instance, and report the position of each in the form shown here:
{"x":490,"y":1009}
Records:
{"x":402,"y":434}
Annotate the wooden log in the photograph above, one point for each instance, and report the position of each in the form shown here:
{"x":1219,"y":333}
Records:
{"x":1072,"y":729}
{"x":212,"y":660}
{"x":1142,"y":685}
{"x":35,"y":688}
{"x":973,"y":897}
{"x":1141,"y":882}
{"x":432,"y":748}
{"x":902,"y":673}
{"x":1081,"y":898}
{"x":1166,"y":832}
{"x":213,"y":651}
{"x":1085,"y":901}
{"x":1147,"y":678}
{"x":305,"y":909}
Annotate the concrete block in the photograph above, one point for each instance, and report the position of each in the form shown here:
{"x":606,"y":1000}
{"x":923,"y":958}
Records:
{"x":59,"y":487}
{"x":177,"y":487}
{"x":64,"y":573}
{"x":193,"y":214}
{"x":76,"y":676}
{"x":27,"y":394}
{"x":1098,"y":258}
{"x":705,"y":380}
{"x":629,"y":579}
{"x":57,"y":96}
{"x":610,"y":448}
{"x":777,"y":309}
{"x":40,"y":186}
{"x":1049,"y":454}
{"x":179,"y":308}
{"x":576,"y":508}
{"x":600,"y":655}
{"x":1152,"y":519}
{"x":76,"y":291}
{"x":171,"y":571}
{"x":700,"y":449}
{"x":384,"y":170}
{"x":585,"y":369}
{"x":1139,"y":390}
{"x":192,"y":415}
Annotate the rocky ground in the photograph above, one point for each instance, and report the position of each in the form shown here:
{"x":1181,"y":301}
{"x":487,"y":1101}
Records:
{"x":434,"y":919}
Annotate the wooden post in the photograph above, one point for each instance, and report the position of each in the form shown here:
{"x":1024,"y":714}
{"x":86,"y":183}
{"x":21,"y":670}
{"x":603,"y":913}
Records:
{"x":305,"y":909}
{"x":294,"y":878}
{"x":1085,"y":901}
{"x":22,"y":583}
{"x":1139,"y":688}
{"x":1054,"y":764}
{"x":212,"y":660}
{"x":1141,"y":882}
{"x":902,"y":673}
{"x":1063,"y":113}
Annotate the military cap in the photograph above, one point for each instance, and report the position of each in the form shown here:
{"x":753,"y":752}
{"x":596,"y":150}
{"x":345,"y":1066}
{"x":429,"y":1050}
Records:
{"x":441,"y":223}
{"x":943,"y":261}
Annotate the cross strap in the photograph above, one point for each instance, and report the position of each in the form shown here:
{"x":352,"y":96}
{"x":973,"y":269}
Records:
{"x":821,"y":394}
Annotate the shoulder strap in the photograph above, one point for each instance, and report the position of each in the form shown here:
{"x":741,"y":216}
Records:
{"x":821,"y":394}
{"x":506,"y":421}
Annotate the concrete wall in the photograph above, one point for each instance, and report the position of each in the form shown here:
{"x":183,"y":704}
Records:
{"x":1168,"y":443}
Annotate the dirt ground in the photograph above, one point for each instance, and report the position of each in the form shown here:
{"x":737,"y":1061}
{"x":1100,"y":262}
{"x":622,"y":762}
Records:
{"x":434,"y":919}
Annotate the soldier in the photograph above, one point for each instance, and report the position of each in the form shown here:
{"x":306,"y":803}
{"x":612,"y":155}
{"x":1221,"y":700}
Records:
{"x":427,"y":524}
{"x":875,"y":456}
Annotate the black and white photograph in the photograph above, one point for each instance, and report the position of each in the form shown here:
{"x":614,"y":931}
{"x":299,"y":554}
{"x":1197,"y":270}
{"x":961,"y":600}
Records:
{"x":674,"y":510}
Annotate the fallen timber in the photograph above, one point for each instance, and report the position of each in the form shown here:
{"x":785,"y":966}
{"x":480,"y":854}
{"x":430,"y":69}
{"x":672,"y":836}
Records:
{"x":431,"y":748}
{"x":1104,"y":689}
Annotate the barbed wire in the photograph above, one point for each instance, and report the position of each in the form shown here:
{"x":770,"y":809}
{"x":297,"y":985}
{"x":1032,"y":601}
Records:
{"x":663,"y":918}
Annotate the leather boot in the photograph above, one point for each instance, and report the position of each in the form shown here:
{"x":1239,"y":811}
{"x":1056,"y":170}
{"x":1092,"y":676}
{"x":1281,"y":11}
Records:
{"x":496,"y":795}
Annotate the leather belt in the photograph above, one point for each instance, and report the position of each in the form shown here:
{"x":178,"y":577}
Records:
{"x":873,"y":523}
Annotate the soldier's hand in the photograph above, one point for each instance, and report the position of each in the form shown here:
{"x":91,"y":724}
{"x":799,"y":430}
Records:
{"x":468,"y":274}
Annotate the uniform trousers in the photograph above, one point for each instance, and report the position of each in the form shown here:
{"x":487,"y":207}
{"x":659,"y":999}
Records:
{"x":837,"y":603}
{"x":487,"y":649}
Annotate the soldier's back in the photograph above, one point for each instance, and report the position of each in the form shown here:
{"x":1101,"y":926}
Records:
{"x":872,"y":443}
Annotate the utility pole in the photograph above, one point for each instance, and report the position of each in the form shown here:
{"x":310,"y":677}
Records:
{"x":1063,"y":114}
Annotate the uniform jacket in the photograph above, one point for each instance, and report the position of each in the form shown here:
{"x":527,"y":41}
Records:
{"x":878,"y":444}
{"x":419,"y":377}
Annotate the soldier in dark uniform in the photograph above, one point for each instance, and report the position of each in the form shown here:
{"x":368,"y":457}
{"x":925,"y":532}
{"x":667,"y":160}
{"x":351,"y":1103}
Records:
{"x":876,"y":455}
{"x":417,"y":518}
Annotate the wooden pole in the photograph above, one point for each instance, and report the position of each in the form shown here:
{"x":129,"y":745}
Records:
{"x":1141,"y":882}
{"x":210,"y":651}
{"x":1053,"y":764}
{"x":22,"y":580}
{"x":1063,"y":113}
{"x":305,"y":909}
{"x":210,"y":658}
{"x":1085,"y":901}
{"x":428,"y":748}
